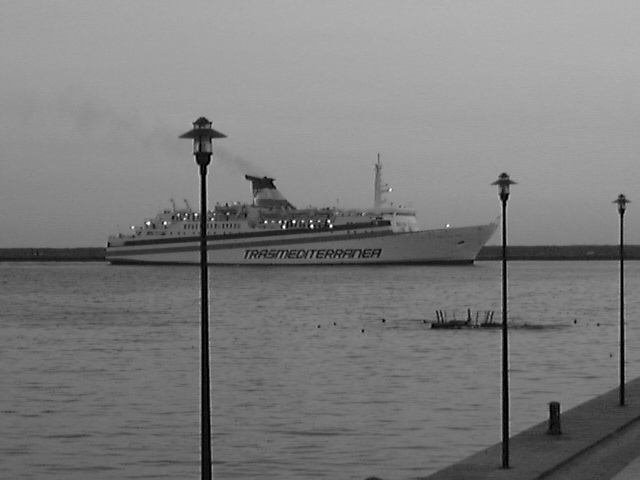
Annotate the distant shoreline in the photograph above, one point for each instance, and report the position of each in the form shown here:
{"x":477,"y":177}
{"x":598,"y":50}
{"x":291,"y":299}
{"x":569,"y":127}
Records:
{"x":492,"y":252}
{"x":560,"y":252}
{"x":88,"y":254}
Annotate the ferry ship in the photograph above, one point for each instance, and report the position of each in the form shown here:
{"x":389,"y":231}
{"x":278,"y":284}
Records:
{"x":271,"y":231}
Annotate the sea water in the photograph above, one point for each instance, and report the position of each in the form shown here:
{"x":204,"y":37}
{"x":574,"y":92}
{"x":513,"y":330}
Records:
{"x":322,"y":372}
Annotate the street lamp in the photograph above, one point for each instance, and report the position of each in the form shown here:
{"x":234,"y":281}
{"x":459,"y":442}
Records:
{"x":503,"y":184}
{"x":203,"y":135}
{"x":622,"y":206}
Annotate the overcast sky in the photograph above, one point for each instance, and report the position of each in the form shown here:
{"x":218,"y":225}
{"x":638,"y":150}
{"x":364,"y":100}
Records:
{"x":95,"y":94}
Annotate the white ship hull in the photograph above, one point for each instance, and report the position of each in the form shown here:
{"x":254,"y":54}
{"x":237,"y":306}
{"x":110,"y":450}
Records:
{"x":340,"y":247}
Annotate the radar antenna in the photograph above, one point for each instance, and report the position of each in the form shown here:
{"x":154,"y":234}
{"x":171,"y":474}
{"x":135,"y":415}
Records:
{"x":173,"y":204}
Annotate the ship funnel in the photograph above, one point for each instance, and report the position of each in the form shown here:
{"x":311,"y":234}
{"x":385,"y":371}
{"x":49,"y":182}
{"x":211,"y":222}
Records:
{"x":266,"y":195}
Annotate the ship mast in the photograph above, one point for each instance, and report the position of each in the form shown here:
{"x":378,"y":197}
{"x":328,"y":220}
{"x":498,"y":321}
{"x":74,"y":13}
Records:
{"x":379,"y":188}
{"x":377,"y":184}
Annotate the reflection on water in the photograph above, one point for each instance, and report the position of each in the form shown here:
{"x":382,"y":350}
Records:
{"x":99,"y":379}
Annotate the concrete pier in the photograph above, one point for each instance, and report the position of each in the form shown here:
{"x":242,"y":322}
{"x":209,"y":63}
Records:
{"x":600,"y":440}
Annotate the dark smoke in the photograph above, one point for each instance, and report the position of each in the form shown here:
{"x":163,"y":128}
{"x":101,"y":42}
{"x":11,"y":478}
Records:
{"x":237,"y":163}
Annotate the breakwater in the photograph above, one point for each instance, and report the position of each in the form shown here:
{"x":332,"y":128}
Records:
{"x":491,"y":252}
{"x":560,"y":252}
{"x":89,"y":254}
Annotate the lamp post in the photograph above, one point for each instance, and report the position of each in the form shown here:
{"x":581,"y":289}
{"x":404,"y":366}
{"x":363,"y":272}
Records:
{"x":202,"y":135}
{"x":503,"y":184}
{"x":622,"y":206}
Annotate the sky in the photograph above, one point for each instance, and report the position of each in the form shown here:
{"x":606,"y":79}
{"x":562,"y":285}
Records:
{"x":94,"y":95}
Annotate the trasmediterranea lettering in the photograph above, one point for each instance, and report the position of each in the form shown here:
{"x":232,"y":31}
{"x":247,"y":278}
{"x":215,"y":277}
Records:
{"x":303,"y":253}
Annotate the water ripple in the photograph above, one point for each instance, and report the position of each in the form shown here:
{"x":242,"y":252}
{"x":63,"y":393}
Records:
{"x":99,"y":366}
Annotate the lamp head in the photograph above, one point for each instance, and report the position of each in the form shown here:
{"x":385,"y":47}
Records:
{"x":503,"y":183}
{"x":202,"y":135}
{"x":622,"y":203}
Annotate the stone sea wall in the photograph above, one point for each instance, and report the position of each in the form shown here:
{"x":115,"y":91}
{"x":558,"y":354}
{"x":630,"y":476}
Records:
{"x":560,"y":252}
{"x":91,"y":254}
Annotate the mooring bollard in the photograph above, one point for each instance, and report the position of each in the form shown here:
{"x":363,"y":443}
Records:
{"x":554,"y":418}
